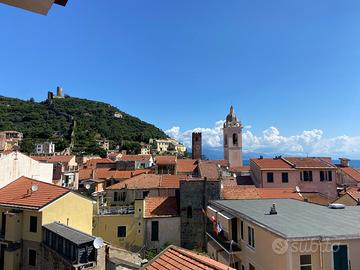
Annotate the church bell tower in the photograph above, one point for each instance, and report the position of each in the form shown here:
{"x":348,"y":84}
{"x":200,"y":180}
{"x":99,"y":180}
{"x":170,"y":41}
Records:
{"x":233,"y":140}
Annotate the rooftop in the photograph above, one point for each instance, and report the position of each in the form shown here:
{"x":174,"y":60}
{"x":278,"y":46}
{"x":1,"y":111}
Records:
{"x":178,"y":258}
{"x":186,"y":165}
{"x":69,"y":233}
{"x":296,"y":219}
{"x":351,"y":172}
{"x":54,"y":159}
{"x":160,"y":206}
{"x":271,"y":163}
{"x":252,"y":192}
{"x":18,"y":193}
{"x":310,"y":162}
{"x":165,"y":160}
{"x":136,"y":158}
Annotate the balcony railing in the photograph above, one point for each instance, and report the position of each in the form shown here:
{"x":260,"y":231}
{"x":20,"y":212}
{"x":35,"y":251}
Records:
{"x":229,"y":246}
{"x":119,"y":210}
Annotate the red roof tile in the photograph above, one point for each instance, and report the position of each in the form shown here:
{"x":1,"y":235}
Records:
{"x":271,"y":163}
{"x":354,"y":192}
{"x":182,"y":259}
{"x":91,"y":163}
{"x":240,"y":169}
{"x":310,"y":162}
{"x":54,"y":159}
{"x":136,"y":158}
{"x":150,"y":181}
{"x":186,"y":166}
{"x":165,"y":160}
{"x":107,"y":173}
{"x":209,"y":170}
{"x":251,"y":192}
{"x":160,"y":206}
{"x":18,"y":193}
{"x":351,"y":172}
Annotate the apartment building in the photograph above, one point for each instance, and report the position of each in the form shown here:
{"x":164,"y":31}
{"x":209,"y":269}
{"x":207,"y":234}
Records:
{"x":285,"y":234}
{"x":310,"y":174}
{"x":9,"y":140}
{"x":27,"y":206}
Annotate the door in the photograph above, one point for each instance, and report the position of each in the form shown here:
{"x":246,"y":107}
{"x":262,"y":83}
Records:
{"x":341,"y":260}
{"x":2,"y":256}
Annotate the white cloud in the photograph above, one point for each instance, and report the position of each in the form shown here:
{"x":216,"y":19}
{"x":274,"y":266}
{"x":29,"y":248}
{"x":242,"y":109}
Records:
{"x":271,"y":142}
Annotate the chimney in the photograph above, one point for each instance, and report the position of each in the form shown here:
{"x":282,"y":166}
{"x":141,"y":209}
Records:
{"x":59,"y":91}
{"x":344,"y":162}
{"x":273,"y":210}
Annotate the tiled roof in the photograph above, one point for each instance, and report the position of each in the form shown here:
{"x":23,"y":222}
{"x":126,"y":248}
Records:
{"x":136,"y":158}
{"x":18,"y":193}
{"x":54,"y":159}
{"x":351,"y":172}
{"x":182,"y":259}
{"x":209,"y":170}
{"x":251,"y":192}
{"x":92,"y":162}
{"x":69,"y":233}
{"x":271,"y":163}
{"x":165,"y":160}
{"x":150,"y":181}
{"x":107,"y":173}
{"x":240,"y":169}
{"x":160,"y":206}
{"x":310,"y":162}
{"x":221,"y":162}
{"x":186,"y":166}
{"x":354,"y":192}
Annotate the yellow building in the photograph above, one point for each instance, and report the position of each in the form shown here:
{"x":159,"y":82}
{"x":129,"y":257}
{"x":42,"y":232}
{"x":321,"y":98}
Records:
{"x":283,"y":234}
{"x":26,"y":205}
{"x":147,"y":224}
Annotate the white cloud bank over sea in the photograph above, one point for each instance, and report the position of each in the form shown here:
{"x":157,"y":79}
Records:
{"x":270,"y":142}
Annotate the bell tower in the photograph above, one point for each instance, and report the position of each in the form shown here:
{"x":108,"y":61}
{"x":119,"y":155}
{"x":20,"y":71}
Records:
{"x":233,"y":139}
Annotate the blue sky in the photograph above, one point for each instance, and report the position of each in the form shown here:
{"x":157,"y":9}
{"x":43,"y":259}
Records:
{"x":290,"y":65}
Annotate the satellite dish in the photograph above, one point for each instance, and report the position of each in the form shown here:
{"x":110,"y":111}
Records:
{"x":234,"y":175}
{"x":87,"y":186}
{"x":98,"y":243}
{"x":34,"y":188}
{"x":297,"y":189}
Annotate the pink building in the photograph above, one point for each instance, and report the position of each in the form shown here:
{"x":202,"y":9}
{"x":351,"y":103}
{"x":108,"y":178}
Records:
{"x":311,"y":175}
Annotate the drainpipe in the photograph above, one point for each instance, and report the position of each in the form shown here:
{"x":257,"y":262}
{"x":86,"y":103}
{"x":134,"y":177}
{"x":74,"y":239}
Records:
{"x":321,"y":254}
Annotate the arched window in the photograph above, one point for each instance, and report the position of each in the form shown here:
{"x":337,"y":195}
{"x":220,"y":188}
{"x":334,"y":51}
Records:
{"x":235,"y":139}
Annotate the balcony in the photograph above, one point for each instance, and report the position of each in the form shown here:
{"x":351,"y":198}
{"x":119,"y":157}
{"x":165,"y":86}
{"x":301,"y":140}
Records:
{"x":228,"y":246}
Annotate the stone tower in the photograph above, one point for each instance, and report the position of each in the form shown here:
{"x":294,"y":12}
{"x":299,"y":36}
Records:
{"x":233,"y":140}
{"x":196,"y":145}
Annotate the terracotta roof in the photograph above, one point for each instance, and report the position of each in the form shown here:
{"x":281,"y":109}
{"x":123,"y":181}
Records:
{"x":18,"y":193}
{"x":182,"y":259}
{"x":54,"y":159}
{"x":107,"y":173}
{"x":209,"y":170}
{"x":354,"y":192}
{"x":165,"y":160}
{"x":240,"y":169}
{"x":351,"y":172}
{"x":251,"y":192}
{"x":186,"y":166}
{"x":91,"y":163}
{"x":221,"y":162}
{"x":310,"y":162}
{"x":150,"y":181}
{"x":271,"y":163}
{"x":160,"y":206}
{"x":136,"y":158}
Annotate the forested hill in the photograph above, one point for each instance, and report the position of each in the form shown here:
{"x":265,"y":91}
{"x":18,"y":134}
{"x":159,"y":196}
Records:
{"x":90,"y":120}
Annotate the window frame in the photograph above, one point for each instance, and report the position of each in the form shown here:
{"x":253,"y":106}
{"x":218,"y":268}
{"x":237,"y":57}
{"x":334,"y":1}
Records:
{"x":304,"y":266}
{"x":271,"y":179}
{"x":119,"y":234}
{"x":155,"y":237}
{"x":283,"y":180}
{"x":251,"y":237}
{"x":35,"y":258}
{"x":33,"y":229}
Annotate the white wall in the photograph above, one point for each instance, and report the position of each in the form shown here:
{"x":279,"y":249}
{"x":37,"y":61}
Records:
{"x":15,"y":165}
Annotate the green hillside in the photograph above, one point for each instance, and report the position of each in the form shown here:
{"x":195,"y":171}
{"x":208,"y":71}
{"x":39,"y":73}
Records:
{"x":93,"y":121}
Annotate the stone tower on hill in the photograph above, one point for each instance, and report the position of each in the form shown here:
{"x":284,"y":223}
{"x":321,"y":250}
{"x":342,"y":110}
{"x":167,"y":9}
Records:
{"x":233,"y":140}
{"x":196,"y":145}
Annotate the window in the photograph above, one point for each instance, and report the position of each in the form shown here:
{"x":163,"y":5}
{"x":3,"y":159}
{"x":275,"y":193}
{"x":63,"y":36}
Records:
{"x":325,"y":176}
{"x":33,"y":224}
{"x":251,"y":267}
{"x":235,"y":139}
{"x":155,"y":231}
{"x":32,"y":257}
{"x":251,"y":237}
{"x":189,"y":212}
{"x":307,"y":176}
{"x":242,"y":230}
{"x":270,"y":177}
{"x":305,"y":262}
{"x":121,"y":231}
{"x":285,"y":177}
{"x":145,"y":193}
{"x":115,"y":196}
